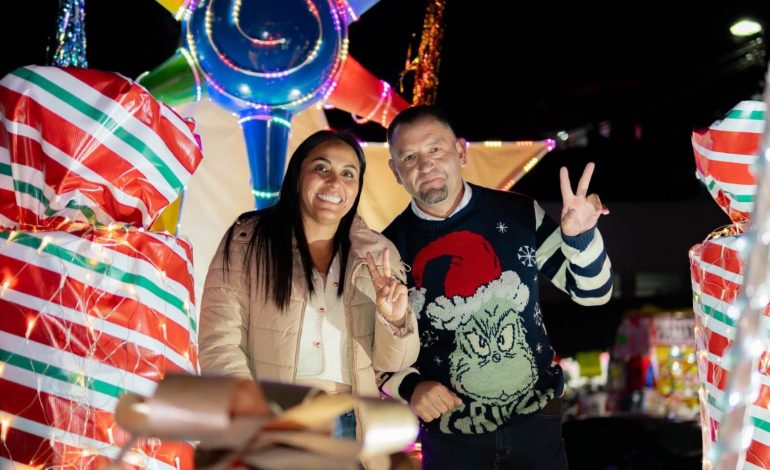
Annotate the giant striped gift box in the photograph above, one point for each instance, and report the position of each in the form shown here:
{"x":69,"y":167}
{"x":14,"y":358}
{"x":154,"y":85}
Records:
{"x":92,"y":305}
{"x":724,"y":154}
{"x":88,"y":146}
{"x":723,"y":157}
{"x":716,"y":278}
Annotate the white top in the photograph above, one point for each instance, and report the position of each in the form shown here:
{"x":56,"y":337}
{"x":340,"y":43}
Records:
{"x":323,"y":343}
{"x":463,"y":202}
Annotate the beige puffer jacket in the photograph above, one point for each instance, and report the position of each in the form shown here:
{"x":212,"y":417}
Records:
{"x":242,"y":333}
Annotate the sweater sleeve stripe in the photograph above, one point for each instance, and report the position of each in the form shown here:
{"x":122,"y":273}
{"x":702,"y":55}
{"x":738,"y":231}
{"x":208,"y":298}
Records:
{"x":586,"y":296}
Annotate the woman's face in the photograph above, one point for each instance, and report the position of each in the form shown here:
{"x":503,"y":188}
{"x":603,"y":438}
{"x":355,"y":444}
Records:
{"x":328,"y":183}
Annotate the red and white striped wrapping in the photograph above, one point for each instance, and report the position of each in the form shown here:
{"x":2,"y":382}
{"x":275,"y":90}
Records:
{"x":85,"y":318}
{"x":88,"y":146}
{"x":91,"y":305}
{"x":723,"y":157}
{"x":724,"y":154}
{"x":716,"y":269}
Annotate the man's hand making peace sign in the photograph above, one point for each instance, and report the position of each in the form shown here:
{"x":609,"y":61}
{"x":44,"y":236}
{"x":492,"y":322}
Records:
{"x":392,"y":295}
{"x":580,"y":212}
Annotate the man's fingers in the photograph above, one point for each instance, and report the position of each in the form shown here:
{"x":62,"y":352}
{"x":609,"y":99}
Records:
{"x":564,"y":184}
{"x":596,"y":203}
{"x":457,"y":401}
{"x":426,"y":410}
{"x":448,"y":400}
{"x":585,"y":180}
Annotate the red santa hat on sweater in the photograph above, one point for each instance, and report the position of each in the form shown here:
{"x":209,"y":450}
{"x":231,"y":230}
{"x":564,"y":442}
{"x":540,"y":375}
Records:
{"x":474,"y":276}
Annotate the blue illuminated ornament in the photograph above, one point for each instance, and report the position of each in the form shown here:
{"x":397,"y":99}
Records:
{"x":266,"y":60}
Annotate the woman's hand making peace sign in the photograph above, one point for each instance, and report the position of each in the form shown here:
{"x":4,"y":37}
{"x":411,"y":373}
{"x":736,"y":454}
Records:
{"x":392,"y":295}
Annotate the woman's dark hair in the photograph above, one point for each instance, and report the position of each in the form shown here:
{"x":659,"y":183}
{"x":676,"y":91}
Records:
{"x":270,"y":245}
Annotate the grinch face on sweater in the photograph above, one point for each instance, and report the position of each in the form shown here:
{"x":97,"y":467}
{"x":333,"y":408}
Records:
{"x":492,"y":362}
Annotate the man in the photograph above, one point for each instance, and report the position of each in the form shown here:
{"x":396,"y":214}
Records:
{"x":485,"y":386}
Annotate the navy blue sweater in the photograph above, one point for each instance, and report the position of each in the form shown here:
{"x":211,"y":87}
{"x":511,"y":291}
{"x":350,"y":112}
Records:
{"x":474,"y":286}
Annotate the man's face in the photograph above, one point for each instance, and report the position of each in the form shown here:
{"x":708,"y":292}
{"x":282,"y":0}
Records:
{"x":426,"y":159}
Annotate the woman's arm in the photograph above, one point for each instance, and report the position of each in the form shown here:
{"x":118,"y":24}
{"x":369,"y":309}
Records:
{"x":224,"y":325}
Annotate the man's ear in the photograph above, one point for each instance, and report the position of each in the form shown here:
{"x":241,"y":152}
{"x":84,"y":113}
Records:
{"x":395,"y":172}
{"x":461,"y":145}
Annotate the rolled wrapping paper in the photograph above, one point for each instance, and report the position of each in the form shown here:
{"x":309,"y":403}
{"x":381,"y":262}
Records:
{"x":391,"y":426}
{"x":235,"y":413}
{"x":185,"y":407}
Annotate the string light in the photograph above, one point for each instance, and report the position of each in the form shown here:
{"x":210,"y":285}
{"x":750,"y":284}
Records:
{"x":5,"y":286}
{"x":46,"y":240}
{"x":30,"y":326}
{"x":531,"y":164}
{"x":110,"y":437}
{"x":346,"y":8}
{"x":11,"y":236}
{"x":194,"y":68}
{"x":386,"y":97}
{"x":5,"y":423}
{"x":265,"y":194}
{"x":425,"y":65}
{"x":71,"y":35}
{"x":268,"y":118}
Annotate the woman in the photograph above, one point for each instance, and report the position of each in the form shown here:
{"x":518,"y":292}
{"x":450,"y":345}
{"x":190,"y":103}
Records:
{"x":288,"y":297}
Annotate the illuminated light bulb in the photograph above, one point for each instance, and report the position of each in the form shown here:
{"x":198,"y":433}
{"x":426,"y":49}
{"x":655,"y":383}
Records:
{"x":531,"y":164}
{"x":493,"y":143}
{"x":30,"y":325}
{"x":2,"y":368}
{"x":46,"y":240}
{"x":745,"y":28}
{"x":5,"y":423}
{"x":4,"y":287}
